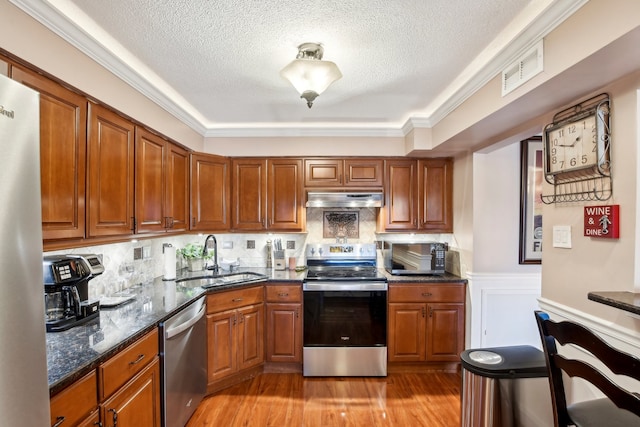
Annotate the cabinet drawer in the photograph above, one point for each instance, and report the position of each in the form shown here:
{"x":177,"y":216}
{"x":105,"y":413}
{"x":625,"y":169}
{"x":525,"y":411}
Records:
{"x":234,"y":299}
{"x":76,"y":401}
{"x":426,"y":293}
{"x":283,"y":293}
{"x":115,"y":372}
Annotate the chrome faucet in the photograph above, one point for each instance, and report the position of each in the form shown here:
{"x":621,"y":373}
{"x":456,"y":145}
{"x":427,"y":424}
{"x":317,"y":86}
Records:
{"x":213,"y":267}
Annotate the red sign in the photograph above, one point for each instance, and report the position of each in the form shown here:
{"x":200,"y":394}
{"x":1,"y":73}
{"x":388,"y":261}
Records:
{"x":602,"y":221}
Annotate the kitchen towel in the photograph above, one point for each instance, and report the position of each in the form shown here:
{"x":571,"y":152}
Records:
{"x":169,"y":261}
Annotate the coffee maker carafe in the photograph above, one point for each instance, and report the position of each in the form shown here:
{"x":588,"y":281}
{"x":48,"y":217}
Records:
{"x":66,"y":290}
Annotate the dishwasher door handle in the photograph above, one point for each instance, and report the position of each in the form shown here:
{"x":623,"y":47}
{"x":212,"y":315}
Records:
{"x":170,"y":333}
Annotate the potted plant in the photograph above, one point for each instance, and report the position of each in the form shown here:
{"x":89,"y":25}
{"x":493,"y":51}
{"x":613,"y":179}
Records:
{"x":193,"y":255}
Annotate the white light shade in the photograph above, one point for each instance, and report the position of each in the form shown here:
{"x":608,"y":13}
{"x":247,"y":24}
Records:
{"x":311,"y":74}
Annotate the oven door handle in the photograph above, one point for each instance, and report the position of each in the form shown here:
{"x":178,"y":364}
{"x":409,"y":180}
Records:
{"x":344,"y":286}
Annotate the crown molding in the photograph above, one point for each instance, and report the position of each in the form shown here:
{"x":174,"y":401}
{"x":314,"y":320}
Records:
{"x":159,"y":92}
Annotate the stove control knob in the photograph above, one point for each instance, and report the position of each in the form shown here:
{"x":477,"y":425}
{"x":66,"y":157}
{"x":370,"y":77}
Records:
{"x":320,"y":251}
{"x":312,"y":250}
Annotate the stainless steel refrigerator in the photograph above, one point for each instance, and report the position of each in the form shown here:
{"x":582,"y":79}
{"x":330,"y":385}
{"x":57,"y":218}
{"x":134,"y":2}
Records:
{"x":24,"y":389}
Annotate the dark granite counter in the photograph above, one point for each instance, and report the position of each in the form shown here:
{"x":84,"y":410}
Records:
{"x":627,"y":301}
{"x":72,"y":354}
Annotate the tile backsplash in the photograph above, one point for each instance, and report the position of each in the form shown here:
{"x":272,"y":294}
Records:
{"x":123,"y":271}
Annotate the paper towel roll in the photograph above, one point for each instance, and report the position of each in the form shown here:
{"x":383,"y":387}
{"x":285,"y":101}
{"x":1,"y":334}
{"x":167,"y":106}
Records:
{"x":169,"y":263}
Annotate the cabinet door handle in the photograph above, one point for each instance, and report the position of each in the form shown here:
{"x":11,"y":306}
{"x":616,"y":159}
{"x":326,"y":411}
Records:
{"x":241,"y":318}
{"x":59,"y":421}
{"x":133,"y":224}
{"x":138,"y":360}
{"x":236,"y":299}
{"x":427,"y":294}
{"x":297,"y":313}
{"x":114,"y":417}
{"x":430,"y":312}
{"x":423,"y":312}
{"x":283,"y":294}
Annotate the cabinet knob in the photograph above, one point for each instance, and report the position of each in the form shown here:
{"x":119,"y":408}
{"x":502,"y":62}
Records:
{"x":427,"y":294}
{"x":283,"y":294}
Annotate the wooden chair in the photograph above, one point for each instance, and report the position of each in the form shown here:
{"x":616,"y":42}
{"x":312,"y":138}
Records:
{"x":619,"y":408}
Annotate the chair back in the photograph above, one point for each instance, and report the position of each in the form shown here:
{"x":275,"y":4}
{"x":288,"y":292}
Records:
{"x":617,"y":361}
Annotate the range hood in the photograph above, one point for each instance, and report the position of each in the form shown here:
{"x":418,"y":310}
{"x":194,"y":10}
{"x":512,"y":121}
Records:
{"x":339,"y":199}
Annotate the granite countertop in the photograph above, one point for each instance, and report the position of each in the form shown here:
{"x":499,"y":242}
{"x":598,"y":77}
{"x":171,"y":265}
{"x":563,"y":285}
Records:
{"x":73,"y":353}
{"x":627,"y":301}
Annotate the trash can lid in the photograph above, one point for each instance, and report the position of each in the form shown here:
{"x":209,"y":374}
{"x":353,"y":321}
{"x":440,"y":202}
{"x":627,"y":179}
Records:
{"x":486,"y":357}
{"x":520,"y":361}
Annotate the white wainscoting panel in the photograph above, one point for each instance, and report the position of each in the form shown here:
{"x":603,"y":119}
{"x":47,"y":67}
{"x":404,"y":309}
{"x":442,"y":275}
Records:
{"x":501,"y":309}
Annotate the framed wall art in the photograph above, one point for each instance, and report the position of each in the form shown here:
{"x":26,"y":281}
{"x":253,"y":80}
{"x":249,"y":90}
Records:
{"x":531,"y":176}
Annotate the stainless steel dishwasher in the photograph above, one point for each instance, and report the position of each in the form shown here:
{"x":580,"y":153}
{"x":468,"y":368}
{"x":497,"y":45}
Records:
{"x":183,"y":361}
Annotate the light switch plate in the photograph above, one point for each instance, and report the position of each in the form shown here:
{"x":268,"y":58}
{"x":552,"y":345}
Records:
{"x":562,"y":236}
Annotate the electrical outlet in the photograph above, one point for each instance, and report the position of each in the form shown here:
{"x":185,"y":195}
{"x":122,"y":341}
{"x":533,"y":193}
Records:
{"x":137,"y":253}
{"x":251,"y":244}
{"x":291,"y":244}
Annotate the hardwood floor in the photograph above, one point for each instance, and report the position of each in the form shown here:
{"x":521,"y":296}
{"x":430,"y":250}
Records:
{"x":401,"y":399}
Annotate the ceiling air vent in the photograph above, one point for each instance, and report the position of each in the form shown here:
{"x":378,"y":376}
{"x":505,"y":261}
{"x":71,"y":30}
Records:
{"x":523,"y":69}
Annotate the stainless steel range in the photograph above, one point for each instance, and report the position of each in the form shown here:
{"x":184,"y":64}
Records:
{"x":345,"y":312}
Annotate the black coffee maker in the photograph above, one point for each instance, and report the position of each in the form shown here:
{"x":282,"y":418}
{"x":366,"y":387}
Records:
{"x":66,"y":290}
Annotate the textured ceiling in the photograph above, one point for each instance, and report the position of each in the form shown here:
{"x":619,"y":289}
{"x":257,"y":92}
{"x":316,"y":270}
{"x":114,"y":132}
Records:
{"x":217,"y":62}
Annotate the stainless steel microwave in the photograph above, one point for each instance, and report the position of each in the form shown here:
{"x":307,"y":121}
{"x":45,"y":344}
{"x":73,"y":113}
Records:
{"x":414,"y":258}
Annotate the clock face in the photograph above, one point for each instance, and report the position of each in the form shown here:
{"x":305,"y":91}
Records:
{"x":572,"y":145}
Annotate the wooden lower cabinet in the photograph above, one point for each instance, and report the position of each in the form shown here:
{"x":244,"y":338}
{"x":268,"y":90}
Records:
{"x":235,"y":333}
{"x":283,"y":323}
{"x":137,"y":403}
{"x":123,"y":391}
{"x":426,"y":322}
{"x":76,"y":404}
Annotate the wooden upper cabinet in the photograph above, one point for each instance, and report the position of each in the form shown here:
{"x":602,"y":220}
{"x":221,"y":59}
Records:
{"x":401,"y":190}
{"x":323,"y":172}
{"x":177,"y":194}
{"x":363,"y":172}
{"x":285,"y":195}
{"x":249,"y":195}
{"x":355,"y":172}
{"x":150,"y":164}
{"x":110,"y":173}
{"x":63,"y":142}
{"x":210,"y":192}
{"x":435,"y":193}
{"x":161,"y":184}
{"x":267,"y":194}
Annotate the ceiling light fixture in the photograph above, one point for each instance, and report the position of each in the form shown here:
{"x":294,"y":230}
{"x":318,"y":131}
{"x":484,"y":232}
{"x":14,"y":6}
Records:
{"x":309,"y":74}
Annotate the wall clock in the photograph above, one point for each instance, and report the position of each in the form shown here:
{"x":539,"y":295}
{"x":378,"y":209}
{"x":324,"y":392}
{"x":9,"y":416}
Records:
{"x":577,"y":152}
{"x":578,"y":139}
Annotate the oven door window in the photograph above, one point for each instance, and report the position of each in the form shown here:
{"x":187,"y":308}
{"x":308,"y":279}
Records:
{"x":345,"y":318}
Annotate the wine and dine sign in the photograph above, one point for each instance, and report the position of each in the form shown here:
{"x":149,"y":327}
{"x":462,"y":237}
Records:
{"x":602,"y":221}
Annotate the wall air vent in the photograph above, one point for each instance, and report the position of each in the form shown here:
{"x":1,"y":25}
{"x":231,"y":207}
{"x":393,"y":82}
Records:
{"x":523,"y":69}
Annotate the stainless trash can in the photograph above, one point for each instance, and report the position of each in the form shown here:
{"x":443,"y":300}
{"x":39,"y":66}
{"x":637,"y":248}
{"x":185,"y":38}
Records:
{"x":488,"y":374}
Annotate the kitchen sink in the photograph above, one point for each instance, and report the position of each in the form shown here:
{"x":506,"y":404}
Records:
{"x":222,"y":279}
